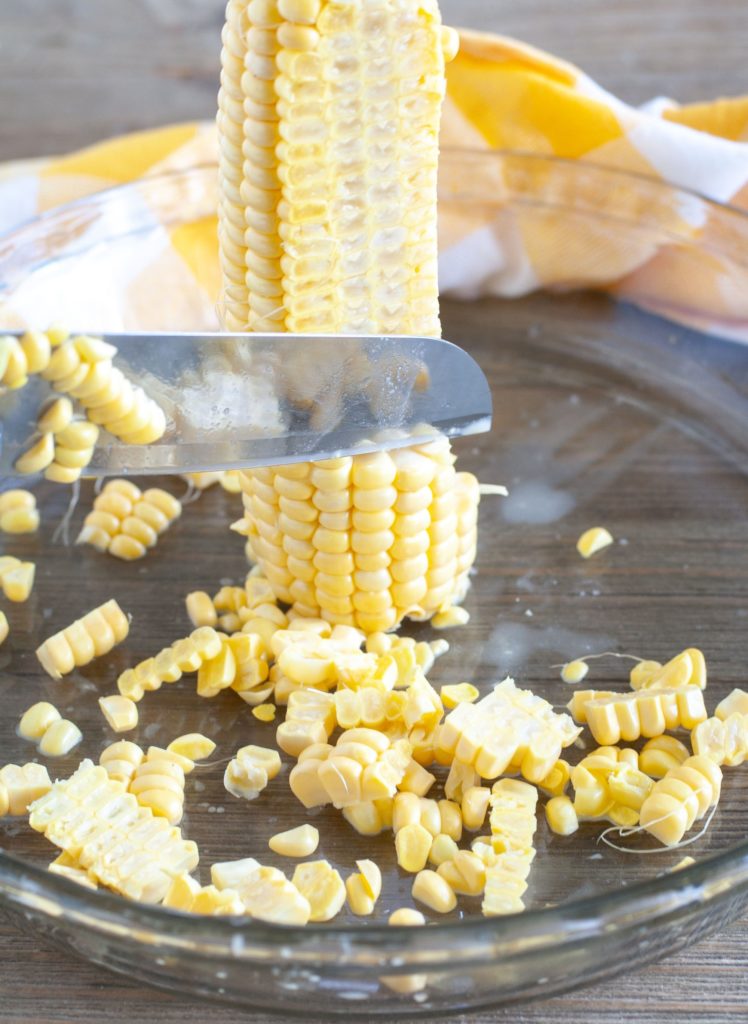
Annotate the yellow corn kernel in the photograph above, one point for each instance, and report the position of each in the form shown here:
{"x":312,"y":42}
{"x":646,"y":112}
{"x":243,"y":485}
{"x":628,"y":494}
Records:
{"x":629,"y":787}
{"x":36,"y":458}
{"x":120,"y":712}
{"x":660,"y":754}
{"x":724,"y":742}
{"x":23,"y":785}
{"x":451,"y":617}
{"x":87,"y":638}
{"x":264,"y":712}
{"x":251,"y":770}
{"x":4,"y":800}
{"x":60,"y":738}
{"x":4,"y":628}
{"x":474,"y":807}
{"x":18,"y":518}
{"x":193,"y":745}
{"x":432,"y":890}
{"x":458,"y":693}
{"x":682,"y":797}
{"x":121,"y":759}
{"x":296,"y":842}
{"x":320,"y":884}
{"x":557,"y":779}
{"x":201,"y":609}
{"x":450,"y":819}
{"x":366,"y":818}
{"x":443,"y":848}
{"x":574,"y":671}
{"x":736,"y":702}
{"x":16,"y":579}
{"x":55,"y":416}
{"x":218,"y":673}
{"x":413,"y":844}
{"x":407,"y":916}
{"x":593,"y":540}
{"x":465,"y":873}
{"x":416,"y":779}
{"x":36,"y":349}
{"x":35,"y":722}
{"x":561,"y":816}
{"x":364,"y":889}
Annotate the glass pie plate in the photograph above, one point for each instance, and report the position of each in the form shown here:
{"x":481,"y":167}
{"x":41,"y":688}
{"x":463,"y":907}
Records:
{"x":604,"y":415}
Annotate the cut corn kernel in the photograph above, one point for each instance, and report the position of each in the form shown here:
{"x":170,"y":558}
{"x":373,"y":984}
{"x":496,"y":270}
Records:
{"x":736,"y":702}
{"x":264,"y":712}
{"x":594,"y":540}
{"x":158,"y":783}
{"x":724,"y":741}
{"x":4,"y":628}
{"x":120,"y":760}
{"x":200,"y":609}
{"x":413,"y":844}
{"x":296,"y":842}
{"x":193,"y":745}
{"x":320,"y":884}
{"x":187,"y":895}
{"x":23,"y":785}
{"x":443,"y":848}
{"x":87,"y":638}
{"x":450,"y":617}
{"x":60,"y":738}
{"x":561,"y":816}
{"x":458,"y":693}
{"x":363,"y":889}
{"x":660,"y":754}
{"x":16,"y":578}
{"x":574,"y":671}
{"x":474,"y":807}
{"x":18,"y":512}
{"x":686,"y":669}
{"x":120,"y":712}
{"x":37,"y":719}
{"x":407,"y":916}
{"x":249,"y":772}
{"x":432,"y":890}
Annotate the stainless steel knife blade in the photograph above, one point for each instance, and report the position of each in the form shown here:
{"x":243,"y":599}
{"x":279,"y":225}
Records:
{"x":234,"y":400}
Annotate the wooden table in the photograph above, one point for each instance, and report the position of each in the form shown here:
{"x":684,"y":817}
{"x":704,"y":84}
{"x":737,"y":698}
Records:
{"x":74,"y":72}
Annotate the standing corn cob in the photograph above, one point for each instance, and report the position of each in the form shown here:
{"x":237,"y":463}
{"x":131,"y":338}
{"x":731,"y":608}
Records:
{"x":328,"y":123}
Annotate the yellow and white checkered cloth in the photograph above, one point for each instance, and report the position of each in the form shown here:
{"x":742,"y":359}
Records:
{"x":501,"y":95}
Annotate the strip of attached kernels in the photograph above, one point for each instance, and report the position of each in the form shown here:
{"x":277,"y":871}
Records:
{"x":16,"y":578}
{"x":644,"y":713}
{"x":121,"y":759}
{"x":310,"y":718}
{"x":321,"y":885}
{"x":126,"y":522}
{"x":187,"y":895}
{"x":18,"y":512}
{"x":23,"y":784}
{"x":120,"y":712}
{"x":265,"y":892}
{"x":581,"y":698}
{"x":60,"y":738}
{"x":508,"y":729}
{"x":85,"y":639}
{"x":686,"y":669}
{"x":82,"y":368}
{"x":36,"y":720}
{"x":126,"y":848}
{"x":158,"y":783}
{"x":660,"y":754}
{"x":594,"y":540}
{"x":682,"y":797}
{"x":513,"y":824}
{"x":364,"y":888}
{"x":169,"y":664}
{"x":249,"y":772}
{"x":609,"y":784}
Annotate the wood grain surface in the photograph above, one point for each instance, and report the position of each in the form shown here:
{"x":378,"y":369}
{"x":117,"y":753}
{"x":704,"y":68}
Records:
{"x":75,"y":71}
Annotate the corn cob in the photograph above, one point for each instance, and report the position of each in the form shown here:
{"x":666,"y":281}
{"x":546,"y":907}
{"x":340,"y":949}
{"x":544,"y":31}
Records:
{"x":328,"y":125}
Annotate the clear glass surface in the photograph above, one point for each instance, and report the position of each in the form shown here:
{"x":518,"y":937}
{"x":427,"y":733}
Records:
{"x":603,"y":415}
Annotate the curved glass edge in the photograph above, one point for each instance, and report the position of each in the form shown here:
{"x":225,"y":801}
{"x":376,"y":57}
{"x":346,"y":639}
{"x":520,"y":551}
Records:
{"x":477,"y":939}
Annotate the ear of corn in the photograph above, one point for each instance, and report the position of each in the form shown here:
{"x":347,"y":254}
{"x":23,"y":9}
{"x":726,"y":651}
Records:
{"x":328,"y":124}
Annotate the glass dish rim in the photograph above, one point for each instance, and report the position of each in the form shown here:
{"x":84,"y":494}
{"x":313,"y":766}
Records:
{"x":700,"y":882}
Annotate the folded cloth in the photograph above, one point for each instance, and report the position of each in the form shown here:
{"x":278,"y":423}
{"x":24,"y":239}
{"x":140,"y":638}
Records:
{"x":505,"y":96}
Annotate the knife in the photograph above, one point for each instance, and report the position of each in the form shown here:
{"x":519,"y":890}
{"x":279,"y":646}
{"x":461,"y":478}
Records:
{"x":234,"y":400}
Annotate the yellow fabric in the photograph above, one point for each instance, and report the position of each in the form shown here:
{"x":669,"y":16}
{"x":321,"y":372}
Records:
{"x":503,"y":95}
